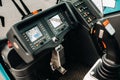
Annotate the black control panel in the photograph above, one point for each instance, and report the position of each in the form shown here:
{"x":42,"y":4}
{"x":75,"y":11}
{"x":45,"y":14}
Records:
{"x":57,"y":23}
{"x":40,"y":32}
{"x":36,"y":36}
{"x":85,"y":11}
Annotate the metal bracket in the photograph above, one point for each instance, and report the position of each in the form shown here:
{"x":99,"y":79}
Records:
{"x":58,"y":59}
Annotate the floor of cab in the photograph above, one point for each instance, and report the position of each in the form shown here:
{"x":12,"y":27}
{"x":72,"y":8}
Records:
{"x":74,"y":72}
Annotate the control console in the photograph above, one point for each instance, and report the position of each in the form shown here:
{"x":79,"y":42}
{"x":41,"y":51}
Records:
{"x":36,"y":36}
{"x":85,"y":10}
{"x":42,"y":31}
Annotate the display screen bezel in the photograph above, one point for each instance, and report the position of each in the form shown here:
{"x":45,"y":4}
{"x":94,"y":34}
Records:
{"x":52,"y":21}
{"x":31,"y":36}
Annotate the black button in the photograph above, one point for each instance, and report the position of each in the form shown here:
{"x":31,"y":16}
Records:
{"x":44,"y":39}
{"x":41,"y":43}
{"x":62,"y":29}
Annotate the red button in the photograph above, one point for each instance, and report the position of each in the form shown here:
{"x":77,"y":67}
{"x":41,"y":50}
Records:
{"x":9,"y":44}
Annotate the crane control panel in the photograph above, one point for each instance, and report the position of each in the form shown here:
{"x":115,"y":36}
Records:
{"x":42,"y":31}
{"x":85,"y":11}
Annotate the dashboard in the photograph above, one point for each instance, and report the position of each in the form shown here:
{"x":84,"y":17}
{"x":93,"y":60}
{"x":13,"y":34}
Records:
{"x":42,"y":31}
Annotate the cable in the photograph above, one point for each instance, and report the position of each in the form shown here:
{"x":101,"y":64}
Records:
{"x":0,"y":2}
{"x":57,"y":1}
{"x":25,"y":7}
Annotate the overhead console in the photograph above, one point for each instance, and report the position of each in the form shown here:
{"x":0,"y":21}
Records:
{"x":42,"y":31}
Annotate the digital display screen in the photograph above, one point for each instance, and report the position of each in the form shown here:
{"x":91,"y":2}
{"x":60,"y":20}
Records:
{"x":3,"y":74}
{"x":34,"y":34}
{"x":56,"y":21}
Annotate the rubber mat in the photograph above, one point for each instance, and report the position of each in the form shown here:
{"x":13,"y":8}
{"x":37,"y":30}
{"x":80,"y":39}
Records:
{"x":75,"y":72}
